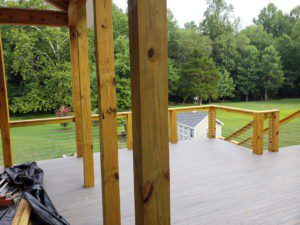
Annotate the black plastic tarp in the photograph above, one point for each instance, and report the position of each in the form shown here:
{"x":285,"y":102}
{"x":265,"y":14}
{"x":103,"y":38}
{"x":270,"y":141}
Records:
{"x":28,"y":179}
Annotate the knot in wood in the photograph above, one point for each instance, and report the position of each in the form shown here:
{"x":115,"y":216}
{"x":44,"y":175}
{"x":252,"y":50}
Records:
{"x":147,"y":191}
{"x":167,"y":174}
{"x":151,"y":53}
{"x":111,"y":111}
{"x":116,"y":175}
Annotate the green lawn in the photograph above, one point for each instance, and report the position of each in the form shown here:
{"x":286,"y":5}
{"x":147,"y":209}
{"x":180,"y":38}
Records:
{"x":52,"y":141}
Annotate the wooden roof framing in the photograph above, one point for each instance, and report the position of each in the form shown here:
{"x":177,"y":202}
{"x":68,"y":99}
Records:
{"x":37,"y":17}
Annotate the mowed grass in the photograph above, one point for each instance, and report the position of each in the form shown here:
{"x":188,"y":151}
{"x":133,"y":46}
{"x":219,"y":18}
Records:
{"x":52,"y":141}
{"x":49,"y":141}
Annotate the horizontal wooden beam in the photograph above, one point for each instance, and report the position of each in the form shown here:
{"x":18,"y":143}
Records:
{"x":57,"y":120}
{"x":59,"y":4}
{"x":33,"y":17}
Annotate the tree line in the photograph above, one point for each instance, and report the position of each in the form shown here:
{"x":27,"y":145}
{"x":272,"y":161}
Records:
{"x":213,"y":60}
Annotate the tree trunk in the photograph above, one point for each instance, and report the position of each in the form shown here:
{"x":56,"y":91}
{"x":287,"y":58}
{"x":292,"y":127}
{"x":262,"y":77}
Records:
{"x":247,"y":97}
{"x":266,"y":95}
{"x":200,"y":101}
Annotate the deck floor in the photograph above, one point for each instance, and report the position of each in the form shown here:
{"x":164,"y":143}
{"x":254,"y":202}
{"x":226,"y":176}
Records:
{"x":212,"y":182}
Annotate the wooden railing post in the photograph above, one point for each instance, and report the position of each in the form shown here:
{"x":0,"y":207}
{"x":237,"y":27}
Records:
{"x":258,"y":133}
{"x":274,"y":132}
{"x":129,"y":131}
{"x":211,"y":122}
{"x":173,"y":127}
{"x":81,"y":90}
{"x":107,"y":111}
{"x":149,"y":88}
{"x":4,"y":114}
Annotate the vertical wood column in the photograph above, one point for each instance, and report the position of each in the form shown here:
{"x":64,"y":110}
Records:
{"x":76,"y":90}
{"x":173,"y":127}
{"x":107,"y":111}
{"x":4,"y":114}
{"x":81,"y":90}
{"x":129,"y":131}
{"x":258,"y":133}
{"x":211,"y":123}
{"x":149,"y":76}
{"x":274,"y":132}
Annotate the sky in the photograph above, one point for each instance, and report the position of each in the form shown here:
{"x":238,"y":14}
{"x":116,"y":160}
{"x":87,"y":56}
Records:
{"x":187,"y":10}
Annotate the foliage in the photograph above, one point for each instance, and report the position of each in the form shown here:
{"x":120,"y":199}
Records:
{"x":199,"y":78}
{"x":210,"y":60}
{"x":270,"y":70}
{"x":63,"y":111}
{"x":226,"y":86}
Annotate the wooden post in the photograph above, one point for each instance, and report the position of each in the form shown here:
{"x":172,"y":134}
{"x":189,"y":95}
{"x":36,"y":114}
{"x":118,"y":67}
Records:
{"x":4,"y":114}
{"x":129,"y":131}
{"x":81,"y":91}
{"x":76,"y":91}
{"x":107,"y":111}
{"x":173,"y":127}
{"x":149,"y":78}
{"x":274,"y":132}
{"x":211,"y":123}
{"x":258,"y":133}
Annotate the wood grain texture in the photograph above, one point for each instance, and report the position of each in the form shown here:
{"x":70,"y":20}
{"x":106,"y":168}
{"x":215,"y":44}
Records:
{"x":33,"y":17}
{"x":81,"y":93}
{"x":22,"y":215}
{"x":149,"y":88}
{"x":108,"y":111}
{"x":213,"y":182}
{"x":4,"y":114}
{"x":76,"y":93}
{"x":258,"y":133}
{"x":273,"y":133}
{"x":173,"y":127}
{"x":212,"y":123}
{"x":129,"y":131}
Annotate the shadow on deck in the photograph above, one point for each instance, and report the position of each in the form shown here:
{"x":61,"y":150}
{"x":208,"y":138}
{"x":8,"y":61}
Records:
{"x":212,"y":182}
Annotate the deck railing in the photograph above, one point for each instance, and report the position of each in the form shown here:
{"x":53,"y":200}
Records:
{"x":256,"y":124}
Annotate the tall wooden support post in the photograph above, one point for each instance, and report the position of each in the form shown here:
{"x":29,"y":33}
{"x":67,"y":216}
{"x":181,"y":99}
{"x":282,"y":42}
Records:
{"x":76,"y":91}
{"x":173,"y":127}
{"x":211,"y":123}
{"x":4,"y":114}
{"x":258,"y":133}
{"x":149,"y":76}
{"x":274,"y":132}
{"x":81,"y":88}
{"x":129,"y":131}
{"x":107,"y":111}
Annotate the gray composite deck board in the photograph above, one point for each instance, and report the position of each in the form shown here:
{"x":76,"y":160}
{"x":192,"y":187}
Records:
{"x":212,"y":182}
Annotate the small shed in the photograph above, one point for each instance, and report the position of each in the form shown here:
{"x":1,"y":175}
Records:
{"x":194,"y":125}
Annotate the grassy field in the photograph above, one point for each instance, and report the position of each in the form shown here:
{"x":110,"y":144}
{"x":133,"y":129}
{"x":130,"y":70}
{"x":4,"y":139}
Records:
{"x":52,"y":141}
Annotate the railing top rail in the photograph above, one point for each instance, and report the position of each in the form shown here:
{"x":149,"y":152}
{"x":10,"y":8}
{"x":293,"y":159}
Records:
{"x":56,"y":120}
{"x":243,"y":111}
{"x":224,"y":108}
{"x":190,"y":108}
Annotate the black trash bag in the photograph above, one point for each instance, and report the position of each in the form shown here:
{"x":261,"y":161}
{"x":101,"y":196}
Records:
{"x":28,"y":178}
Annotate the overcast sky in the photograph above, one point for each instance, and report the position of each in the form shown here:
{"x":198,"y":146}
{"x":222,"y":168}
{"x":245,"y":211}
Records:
{"x":187,"y":10}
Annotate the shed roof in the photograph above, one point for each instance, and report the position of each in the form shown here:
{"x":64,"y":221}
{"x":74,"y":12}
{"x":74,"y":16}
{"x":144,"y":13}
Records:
{"x":192,"y":119}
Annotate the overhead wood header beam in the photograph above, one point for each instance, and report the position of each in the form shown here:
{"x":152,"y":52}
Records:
{"x":59,"y":4}
{"x":33,"y":17}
